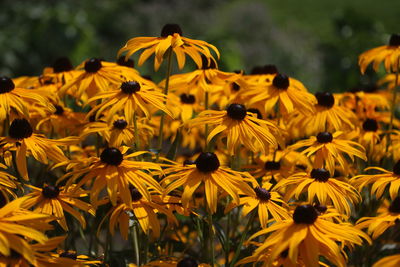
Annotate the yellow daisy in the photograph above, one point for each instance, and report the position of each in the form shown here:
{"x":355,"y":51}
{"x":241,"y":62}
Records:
{"x":207,"y":171}
{"x":240,"y":127}
{"x":171,"y":38}
{"x":320,"y":188}
{"x":390,"y":54}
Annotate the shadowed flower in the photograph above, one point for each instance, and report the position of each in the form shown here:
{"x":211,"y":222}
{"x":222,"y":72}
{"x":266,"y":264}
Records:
{"x":171,"y":38}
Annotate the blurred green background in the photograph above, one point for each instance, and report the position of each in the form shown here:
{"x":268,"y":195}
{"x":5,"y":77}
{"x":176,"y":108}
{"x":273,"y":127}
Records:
{"x":317,"y":42}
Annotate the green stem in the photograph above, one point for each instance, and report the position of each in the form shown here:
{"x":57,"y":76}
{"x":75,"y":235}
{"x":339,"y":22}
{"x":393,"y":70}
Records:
{"x":168,"y":74}
{"x":135,"y":126}
{"x":135,"y":242}
{"x":107,"y":248}
{"x":393,"y":106}
{"x":211,"y":239}
{"x":228,"y":240}
{"x":244,"y":234}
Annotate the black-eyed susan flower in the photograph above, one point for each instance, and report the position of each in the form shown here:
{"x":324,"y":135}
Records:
{"x":131,"y":98}
{"x":268,"y":204}
{"x":388,"y":216}
{"x":390,"y":54}
{"x":308,"y":236}
{"x":119,"y":131}
{"x":379,"y":181}
{"x":320,"y":188}
{"x":330,"y":149}
{"x":22,"y":139}
{"x":240,"y":127}
{"x":171,"y":38}
{"x":141,"y":209}
{"x":61,"y":71}
{"x":188,"y":105}
{"x":215,"y":178}
{"x":15,"y":101}
{"x":288,"y":93}
{"x":116,"y":172}
{"x":55,"y":200}
{"x":372,"y":138}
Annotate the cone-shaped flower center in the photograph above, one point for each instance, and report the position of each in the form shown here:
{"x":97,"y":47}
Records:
{"x":324,"y":137}
{"x":396,"y":168}
{"x":187,"y":98}
{"x":170,"y":29}
{"x":320,"y":208}
{"x":305,"y":214}
{"x":370,"y":125}
{"x":394,"y":40}
{"x":395,"y":205}
{"x":236,"y":111}
{"x":130,"y":87}
{"x":120,"y":124}
{"x":111,"y":156}
{"x":262,"y":193}
{"x":272,"y":165}
{"x":135,"y":194}
{"x":6,"y":85}
{"x":20,"y":129}
{"x":125,"y":62}
{"x":69,"y":254}
{"x":59,"y":110}
{"x":207,"y":63}
{"x":50,"y":191}
{"x":320,"y":174}
{"x":325,"y":99}
{"x":207,"y":162}
{"x":187,"y":262}
{"x":281,"y":81}
{"x":62,"y":64}
{"x":255,"y":111}
{"x":93,"y":65}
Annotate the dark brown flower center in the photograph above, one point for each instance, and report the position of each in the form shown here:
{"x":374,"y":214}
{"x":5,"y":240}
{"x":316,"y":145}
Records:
{"x":236,"y":112}
{"x":325,"y":99}
{"x":262,"y":194}
{"x":396,"y":168}
{"x":324,"y":137}
{"x":69,"y":254}
{"x":120,"y":124}
{"x":62,"y":64}
{"x":187,"y":98}
{"x":170,"y":29}
{"x":305,"y":214}
{"x":370,"y":125}
{"x":272,"y":165}
{"x":187,"y":262}
{"x":111,"y":156}
{"x":93,"y":65}
{"x":50,"y":191}
{"x":130,"y":87}
{"x":281,"y":81}
{"x":395,"y":205}
{"x":207,"y":162}
{"x":320,"y":174}
{"x":135,"y":194}
{"x":59,"y":110}
{"x":394,"y":40}
{"x":20,"y":129}
{"x":6,"y":85}
{"x":125,"y":62}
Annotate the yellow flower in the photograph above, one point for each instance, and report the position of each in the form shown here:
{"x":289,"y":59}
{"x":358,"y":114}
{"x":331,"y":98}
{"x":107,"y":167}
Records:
{"x":61,"y":71}
{"x":132,"y":97}
{"x":307,"y":237}
{"x":171,"y":38}
{"x":379,"y":181}
{"x":241,"y":127}
{"x":55,"y":200}
{"x":388,"y":216}
{"x":330,"y":149}
{"x":207,"y":171}
{"x":116,"y":172}
{"x":320,"y":187}
{"x":22,"y":139}
{"x":390,"y":54}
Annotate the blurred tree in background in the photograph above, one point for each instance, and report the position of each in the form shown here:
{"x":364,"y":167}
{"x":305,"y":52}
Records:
{"x":317,"y":42}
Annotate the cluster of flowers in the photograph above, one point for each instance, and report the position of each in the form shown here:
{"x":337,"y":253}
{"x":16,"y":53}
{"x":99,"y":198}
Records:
{"x":196,"y":145}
